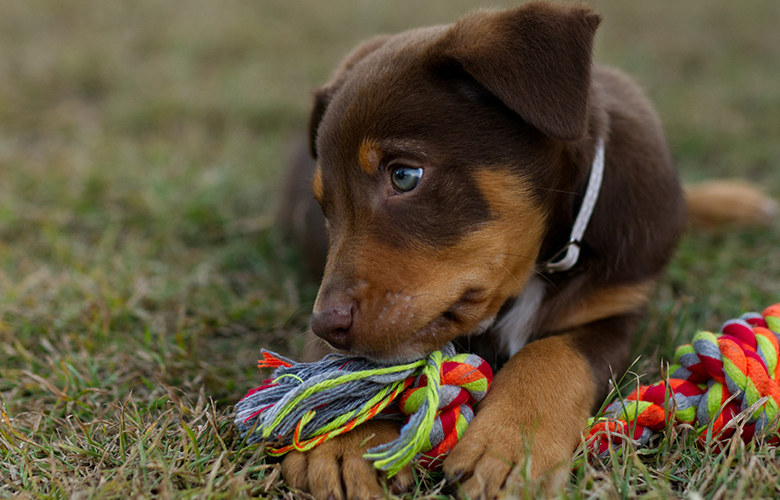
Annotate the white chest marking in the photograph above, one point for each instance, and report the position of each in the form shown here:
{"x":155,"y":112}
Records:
{"x":515,"y":328}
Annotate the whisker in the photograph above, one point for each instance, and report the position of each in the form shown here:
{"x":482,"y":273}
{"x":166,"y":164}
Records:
{"x":547,"y":278}
{"x":301,"y":333}
{"x":526,"y":257}
{"x":510,"y":274}
{"x":536,"y":271}
{"x":559,"y":191}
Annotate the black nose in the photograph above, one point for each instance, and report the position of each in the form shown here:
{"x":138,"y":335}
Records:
{"x":332,"y":324}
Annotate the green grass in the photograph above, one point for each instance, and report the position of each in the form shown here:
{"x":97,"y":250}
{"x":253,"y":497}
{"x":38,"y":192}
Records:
{"x":141,"y":149}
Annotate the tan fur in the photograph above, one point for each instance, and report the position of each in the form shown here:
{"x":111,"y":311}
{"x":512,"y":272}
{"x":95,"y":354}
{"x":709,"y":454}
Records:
{"x":720,"y":202}
{"x":604,"y":303}
{"x":319,"y":473}
{"x":316,"y":184}
{"x":541,"y":398}
{"x":369,"y":156}
{"x":400,"y":292}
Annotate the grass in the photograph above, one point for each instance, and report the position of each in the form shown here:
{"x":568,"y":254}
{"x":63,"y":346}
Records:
{"x":141,"y":148}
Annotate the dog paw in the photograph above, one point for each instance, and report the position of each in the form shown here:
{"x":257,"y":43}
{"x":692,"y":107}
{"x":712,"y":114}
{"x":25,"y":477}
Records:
{"x":485,"y":457}
{"x":499,"y":455}
{"x":337,"y":470}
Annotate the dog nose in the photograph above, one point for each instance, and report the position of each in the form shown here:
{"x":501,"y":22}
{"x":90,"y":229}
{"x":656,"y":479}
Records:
{"x":332,"y":324}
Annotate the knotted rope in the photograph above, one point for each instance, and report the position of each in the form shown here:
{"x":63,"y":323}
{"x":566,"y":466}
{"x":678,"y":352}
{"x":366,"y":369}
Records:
{"x":713,"y":380}
{"x":303,"y":405}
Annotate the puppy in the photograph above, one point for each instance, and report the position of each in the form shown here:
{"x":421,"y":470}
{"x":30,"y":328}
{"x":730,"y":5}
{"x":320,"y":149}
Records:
{"x":453,"y":167}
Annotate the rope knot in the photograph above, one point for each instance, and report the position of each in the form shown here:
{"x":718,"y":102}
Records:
{"x":305,"y":404}
{"x":714,"y":378}
{"x":464,"y":380}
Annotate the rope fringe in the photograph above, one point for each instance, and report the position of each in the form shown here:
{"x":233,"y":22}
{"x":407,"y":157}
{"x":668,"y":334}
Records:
{"x":304,"y":404}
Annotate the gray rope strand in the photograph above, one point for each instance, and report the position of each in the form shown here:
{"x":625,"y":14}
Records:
{"x":257,"y":412}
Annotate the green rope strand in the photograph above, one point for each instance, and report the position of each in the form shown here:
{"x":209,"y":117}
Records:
{"x":392,"y":463}
{"x":343,"y":419}
{"x":329,"y":384}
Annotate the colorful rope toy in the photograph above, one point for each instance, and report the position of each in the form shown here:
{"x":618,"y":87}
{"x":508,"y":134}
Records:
{"x":713,"y":380}
{"x":303,"y":405}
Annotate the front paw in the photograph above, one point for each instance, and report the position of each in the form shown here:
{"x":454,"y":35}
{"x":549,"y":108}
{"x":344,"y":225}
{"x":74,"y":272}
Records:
{"x":337,"y":470}
{"x":481,"y":462}
{"x":494,"y":446}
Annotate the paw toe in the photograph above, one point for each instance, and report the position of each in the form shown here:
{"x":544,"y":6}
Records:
{"x":360,"y":479}
{"x":294,"y":471}
{"x":324,"y":476}
{"x":402,"y":481}
{"x":462,"y":460}
{"x":488,"y":478}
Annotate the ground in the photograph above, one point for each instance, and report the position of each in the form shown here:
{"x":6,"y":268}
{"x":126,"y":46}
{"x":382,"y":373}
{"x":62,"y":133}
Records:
{"x":141,"y":149}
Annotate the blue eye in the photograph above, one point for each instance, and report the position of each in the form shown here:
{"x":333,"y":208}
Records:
{"x":406,"y":178}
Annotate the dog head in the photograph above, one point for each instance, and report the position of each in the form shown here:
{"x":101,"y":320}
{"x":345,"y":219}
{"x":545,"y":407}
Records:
{"x":439,"y":151}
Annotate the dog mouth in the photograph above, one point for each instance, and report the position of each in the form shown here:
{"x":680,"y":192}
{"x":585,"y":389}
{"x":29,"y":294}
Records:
{"x":460,"y":318}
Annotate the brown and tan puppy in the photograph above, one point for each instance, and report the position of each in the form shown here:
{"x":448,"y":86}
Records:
{"x":451,"y":163}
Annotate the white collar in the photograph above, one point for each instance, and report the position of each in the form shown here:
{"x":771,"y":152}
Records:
{"x":567,"y":256}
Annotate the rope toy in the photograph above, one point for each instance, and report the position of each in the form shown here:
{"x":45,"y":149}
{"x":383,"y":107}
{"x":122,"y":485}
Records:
{"x":303,"y":405}
{"x":713,"y":380}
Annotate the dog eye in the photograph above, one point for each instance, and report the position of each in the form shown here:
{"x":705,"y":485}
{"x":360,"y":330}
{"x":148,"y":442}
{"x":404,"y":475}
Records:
{"x":406,"y":178}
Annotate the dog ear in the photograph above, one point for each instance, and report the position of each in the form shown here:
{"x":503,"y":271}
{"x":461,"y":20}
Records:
{"x":536,"y":59}
{"x":323,"y":95}
{"x":321,"y":100}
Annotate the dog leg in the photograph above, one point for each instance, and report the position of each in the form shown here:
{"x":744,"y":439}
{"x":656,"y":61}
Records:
{"x":337,"y":470}
{"x":539,"y":403}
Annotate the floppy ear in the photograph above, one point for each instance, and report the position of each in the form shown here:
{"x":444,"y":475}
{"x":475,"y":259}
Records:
{"x":536,"y":59}
{"x":323,"y":95}
{"x":321,"y":100}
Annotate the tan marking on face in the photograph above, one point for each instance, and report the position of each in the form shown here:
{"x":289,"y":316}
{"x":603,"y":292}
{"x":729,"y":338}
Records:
{"x":402,"y":293}
{"x":605,"y":303}
{"x":316,"y":184}
{"x":369,"y":156}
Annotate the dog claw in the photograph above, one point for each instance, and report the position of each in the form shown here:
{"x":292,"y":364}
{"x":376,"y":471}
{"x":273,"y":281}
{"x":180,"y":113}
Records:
{"x":454,"y":477}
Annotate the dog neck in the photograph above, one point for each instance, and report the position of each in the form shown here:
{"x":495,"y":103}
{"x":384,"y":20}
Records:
{"x":567,"y":257}
{"x":514,"y":328}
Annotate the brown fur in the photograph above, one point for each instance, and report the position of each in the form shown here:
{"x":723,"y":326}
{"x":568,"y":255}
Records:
{"x":718,"y":203}
{"x":300,"y":217}
{"x":483,"y":42}
{"x":605,"y":303}
{"x":501,"y":111}
{"x":414,"y":305}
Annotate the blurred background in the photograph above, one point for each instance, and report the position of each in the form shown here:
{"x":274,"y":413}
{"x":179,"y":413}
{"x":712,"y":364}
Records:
{"x":142,"y":144}
{"x":142,"y":147}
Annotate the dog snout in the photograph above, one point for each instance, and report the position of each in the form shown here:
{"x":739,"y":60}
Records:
{"x":333,"y":323}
